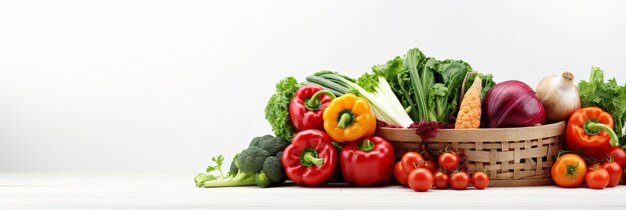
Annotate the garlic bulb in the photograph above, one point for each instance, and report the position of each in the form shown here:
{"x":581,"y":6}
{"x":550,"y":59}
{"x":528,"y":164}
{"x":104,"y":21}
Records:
{"x":559,"y":96}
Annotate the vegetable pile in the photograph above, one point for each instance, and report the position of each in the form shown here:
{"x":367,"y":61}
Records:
{"x":594,"y":134}
{"x":408,"y":89}
{"x":324,"y":128}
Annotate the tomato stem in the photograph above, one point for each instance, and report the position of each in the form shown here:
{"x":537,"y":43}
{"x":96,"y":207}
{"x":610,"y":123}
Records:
{"x":571,"y":170}
{"x":418,"y":164}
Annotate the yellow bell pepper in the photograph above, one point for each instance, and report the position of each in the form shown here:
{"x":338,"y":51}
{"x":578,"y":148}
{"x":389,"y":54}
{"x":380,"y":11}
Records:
{"x":348,"y":118}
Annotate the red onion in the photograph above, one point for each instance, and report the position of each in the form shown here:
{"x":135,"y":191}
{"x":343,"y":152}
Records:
{"x":512,"y":104}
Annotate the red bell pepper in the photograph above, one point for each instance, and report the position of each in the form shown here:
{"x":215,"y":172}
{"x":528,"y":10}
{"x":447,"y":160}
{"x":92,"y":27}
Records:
{"x":310,"y":159}
{"x":590,"y":129}
{"x":367,"y":162}
{"x":307,"y":106}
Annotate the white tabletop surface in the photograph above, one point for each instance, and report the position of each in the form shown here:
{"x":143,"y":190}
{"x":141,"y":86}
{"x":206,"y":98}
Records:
{"x":177,"y":191}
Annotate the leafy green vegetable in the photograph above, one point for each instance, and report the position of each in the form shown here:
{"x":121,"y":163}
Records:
{"x":420,"y":78}
{"x":608,"y":95}
{"x":394,"y":71}
{"x":259,"y":164}
{"x":428,"y":88}
{"x":487,"y":83}
{"x":277,"y":108}
{"x":219,"y":160}
{"x":438,"y":102}
{"x":452,"y":74}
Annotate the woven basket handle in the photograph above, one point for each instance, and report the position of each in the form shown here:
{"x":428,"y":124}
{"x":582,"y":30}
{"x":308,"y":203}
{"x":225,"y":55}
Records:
{"x":463,"y":86}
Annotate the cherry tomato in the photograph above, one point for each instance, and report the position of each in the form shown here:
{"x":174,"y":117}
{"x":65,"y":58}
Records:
{"x":401,"y":175}
{"x":459,"y":180}
{"x":598,"y":178}
{"x":430,"y":165}
{"x":449,"y":161}
{"x":615,"y":172}
{"x":411,"y":160}
{"x":618,"y":154}
{"x":442,"y":180}
{"x":480,"y":180}
{"x":569,"y":170}
{"x":421,"y":180}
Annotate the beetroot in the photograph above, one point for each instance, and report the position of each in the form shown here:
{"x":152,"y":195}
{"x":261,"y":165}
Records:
{"x":512,"y":104}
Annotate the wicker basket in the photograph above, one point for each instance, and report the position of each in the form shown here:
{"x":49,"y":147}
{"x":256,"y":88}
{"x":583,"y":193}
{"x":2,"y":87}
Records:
{"x":511,"y":156}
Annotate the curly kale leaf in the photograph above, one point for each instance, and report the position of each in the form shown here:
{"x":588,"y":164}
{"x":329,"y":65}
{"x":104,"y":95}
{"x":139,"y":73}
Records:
{"x":277,"y":108}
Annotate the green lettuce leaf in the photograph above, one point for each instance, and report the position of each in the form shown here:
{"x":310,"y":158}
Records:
{"x":277,"y":108}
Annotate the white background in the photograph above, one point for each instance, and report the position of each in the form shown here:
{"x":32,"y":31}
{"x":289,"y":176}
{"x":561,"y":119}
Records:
{"x":157,"y":86}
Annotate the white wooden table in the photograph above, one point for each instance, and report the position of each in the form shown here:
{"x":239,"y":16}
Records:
{"x":177,"y":191}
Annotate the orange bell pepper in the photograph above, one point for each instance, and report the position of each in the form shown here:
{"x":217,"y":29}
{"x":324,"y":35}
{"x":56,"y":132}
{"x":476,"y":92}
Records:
{"x":590,"y":129}
{"x":348,"y":118}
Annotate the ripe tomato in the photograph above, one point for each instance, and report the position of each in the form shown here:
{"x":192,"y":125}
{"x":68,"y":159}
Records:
{"x":411,"y":160}
{"x":598,"y":178}
{"x":442,"y":180}
{"x":480,"y":180}
{"x":401,"y":175}
{"x":421,"y":180}
{"x":430,"y":165}
{"x":569,"y":170}
{"x":448,"y":161}
{"x":618,"y":154}
{"x":459,"y":180}
{"x":615,"y":173}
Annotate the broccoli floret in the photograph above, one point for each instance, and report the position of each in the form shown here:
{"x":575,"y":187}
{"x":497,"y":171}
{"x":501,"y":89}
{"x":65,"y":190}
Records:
{"x":251,"y":160}
{"x":269,"y":143}
{"x":273,"y":168}
{"x":256,"y":140}
{"x":273,"y":145}
{"x":262,"y":180}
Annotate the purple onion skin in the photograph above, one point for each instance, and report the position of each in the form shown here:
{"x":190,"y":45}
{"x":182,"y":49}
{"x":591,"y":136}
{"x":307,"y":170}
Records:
{"x":512,"y":104}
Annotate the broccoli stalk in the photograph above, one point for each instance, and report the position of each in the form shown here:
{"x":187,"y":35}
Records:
{"x":262,"y":180}
{"x":234,"y":178}
{"x":241,"y":179}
